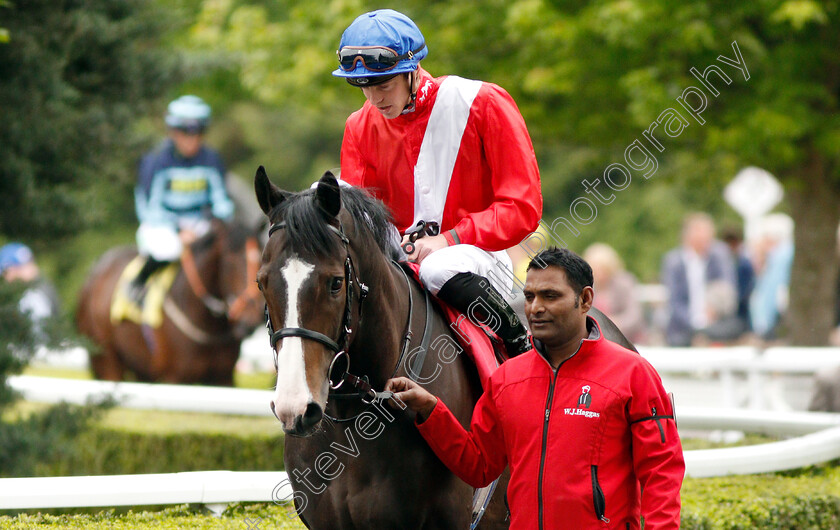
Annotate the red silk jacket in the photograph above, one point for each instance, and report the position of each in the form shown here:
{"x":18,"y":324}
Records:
{"x":592,"y":445}
{"x":471,"y":167}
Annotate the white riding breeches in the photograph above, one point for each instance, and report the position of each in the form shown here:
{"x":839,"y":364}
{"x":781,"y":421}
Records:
{"x":440,"y":266}
{"x":161,"y":240}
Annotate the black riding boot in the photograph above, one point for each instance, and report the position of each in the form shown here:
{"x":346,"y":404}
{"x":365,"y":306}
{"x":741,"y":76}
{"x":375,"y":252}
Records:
{"x":137,"y":286}
{"x":475,"y":297}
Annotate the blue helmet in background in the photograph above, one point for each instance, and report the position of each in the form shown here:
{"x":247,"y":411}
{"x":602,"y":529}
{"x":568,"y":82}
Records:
{"x":14,"y":254}
{"x":379,"y":45}
{"x":188,"y":113}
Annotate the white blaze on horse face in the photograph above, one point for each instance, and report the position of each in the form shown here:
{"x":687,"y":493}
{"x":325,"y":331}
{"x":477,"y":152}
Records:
{"x":292,"y":394}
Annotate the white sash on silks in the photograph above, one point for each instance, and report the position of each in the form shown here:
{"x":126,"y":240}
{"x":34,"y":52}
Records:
{"x":440,"y":146}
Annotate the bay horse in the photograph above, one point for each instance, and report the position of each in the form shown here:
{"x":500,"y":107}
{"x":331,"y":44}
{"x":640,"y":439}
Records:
{"x":211,"y":306}
{"x":341,"y":305}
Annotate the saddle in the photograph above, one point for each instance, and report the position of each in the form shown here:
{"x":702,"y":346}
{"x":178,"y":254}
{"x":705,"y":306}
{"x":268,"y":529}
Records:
{"x":486,"y":354}
{"x":150,"y":311}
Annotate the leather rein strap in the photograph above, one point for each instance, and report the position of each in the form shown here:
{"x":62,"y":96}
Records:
{"x":216,"y":305}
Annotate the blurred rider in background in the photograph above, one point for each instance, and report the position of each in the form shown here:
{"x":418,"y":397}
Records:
{"x":181,"y":188}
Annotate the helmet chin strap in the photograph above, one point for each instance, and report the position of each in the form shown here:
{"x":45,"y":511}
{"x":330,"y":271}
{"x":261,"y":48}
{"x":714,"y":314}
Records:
{"x":409,"y":107}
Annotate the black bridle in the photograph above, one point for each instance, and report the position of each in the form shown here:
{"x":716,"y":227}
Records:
{"x":351,"y":278}
{"x":362,"y":384}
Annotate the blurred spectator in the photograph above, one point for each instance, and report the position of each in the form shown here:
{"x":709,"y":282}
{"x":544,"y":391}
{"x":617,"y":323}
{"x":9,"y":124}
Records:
{"x":826,"y":396}
{"x":615,"y":291}
{"x":521,"y":254}
{"x":744,"y":272}
{"x":686,"y":273}
{"x":774,"y":259}
{"x":724,"y":326}
{"x":39,"y":300}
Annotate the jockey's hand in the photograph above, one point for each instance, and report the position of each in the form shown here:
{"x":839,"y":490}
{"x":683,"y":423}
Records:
{"x":187,"y":236}
{"x":413,"y":395}
{"x":424,"y":246}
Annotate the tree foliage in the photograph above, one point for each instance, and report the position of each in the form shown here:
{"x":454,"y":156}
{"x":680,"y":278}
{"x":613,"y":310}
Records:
{"x":590,"y":78}
{"x":76,"y":75}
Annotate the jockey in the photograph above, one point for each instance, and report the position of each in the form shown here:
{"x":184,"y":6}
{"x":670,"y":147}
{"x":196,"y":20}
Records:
{"x":443,"y":150}
{"x":181,"y":187}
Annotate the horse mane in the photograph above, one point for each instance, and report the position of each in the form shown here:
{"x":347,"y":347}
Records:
{"x":307,"y":230}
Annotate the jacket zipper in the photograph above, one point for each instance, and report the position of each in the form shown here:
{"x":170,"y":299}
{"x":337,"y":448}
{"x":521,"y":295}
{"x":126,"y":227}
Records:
{"x":542,"y":449}
{"x":598,"y":498}
{"x":545,"y":432}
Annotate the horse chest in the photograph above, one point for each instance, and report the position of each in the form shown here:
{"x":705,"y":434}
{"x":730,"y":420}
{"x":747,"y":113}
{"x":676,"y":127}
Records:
{"x":373,"y":472}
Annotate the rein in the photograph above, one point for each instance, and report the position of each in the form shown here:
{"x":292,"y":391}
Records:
{"x":214,"y":304}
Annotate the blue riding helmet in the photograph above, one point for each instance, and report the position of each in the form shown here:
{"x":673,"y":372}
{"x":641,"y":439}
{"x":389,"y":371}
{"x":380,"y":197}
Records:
{"x":379,"y":45}
{"x":188,"y":113}
{"x":14,"y":254}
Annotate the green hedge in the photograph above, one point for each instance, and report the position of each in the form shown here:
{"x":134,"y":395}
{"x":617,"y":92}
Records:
{"x":804,"y":499}
{"x":103,"y":451}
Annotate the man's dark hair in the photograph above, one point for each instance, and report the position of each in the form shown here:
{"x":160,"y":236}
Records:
{"x":578,"y":271}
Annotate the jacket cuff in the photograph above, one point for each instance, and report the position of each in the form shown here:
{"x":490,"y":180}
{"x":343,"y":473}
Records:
{"x":451,"y":237}
{"x":434,"y":418}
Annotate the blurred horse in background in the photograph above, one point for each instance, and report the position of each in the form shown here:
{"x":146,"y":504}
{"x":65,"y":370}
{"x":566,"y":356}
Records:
{"x":212,"y":305}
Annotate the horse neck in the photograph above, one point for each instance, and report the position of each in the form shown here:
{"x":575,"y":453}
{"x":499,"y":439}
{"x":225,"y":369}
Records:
{"x":375,"y":350}
{"x":207,"y":263}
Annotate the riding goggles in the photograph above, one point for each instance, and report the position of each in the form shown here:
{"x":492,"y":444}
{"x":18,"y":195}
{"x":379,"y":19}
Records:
{"x":374,"y":58}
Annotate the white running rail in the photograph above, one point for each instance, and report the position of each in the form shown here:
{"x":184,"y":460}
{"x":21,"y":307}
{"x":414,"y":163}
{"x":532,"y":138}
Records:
{"x":183,"y":398}
{"x":212,"y":488}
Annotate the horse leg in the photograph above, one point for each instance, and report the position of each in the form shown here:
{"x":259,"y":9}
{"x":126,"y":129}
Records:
{"x":107,"y":365}
{"x":221,"y":373}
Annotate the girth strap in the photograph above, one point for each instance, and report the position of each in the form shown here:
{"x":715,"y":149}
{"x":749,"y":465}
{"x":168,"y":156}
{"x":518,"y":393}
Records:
{"x":416,"y":368}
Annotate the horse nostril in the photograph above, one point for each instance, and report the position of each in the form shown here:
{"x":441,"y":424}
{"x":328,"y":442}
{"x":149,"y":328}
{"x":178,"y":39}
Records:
{"x":312,"y":415}
{"x":272,"y":410}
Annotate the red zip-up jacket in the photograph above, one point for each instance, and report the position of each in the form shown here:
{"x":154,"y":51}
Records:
{"x":593,"y":444}
{"x":490,"y":196}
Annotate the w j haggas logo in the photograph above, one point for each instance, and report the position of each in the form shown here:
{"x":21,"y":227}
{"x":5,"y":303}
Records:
{"x":585,"y":400}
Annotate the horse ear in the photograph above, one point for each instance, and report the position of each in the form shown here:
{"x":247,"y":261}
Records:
{"x":268,"y":195}
{"x":328,"y":195}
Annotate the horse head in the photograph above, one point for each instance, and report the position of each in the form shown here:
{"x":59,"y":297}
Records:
{"x":313,"y":294}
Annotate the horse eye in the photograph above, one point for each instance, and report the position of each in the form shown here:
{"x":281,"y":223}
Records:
{"x":336,"y":283}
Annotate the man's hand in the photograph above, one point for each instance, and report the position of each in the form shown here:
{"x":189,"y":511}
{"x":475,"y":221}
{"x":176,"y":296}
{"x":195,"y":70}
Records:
{"x":413,"y":395}
{"x":424,"y":246}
